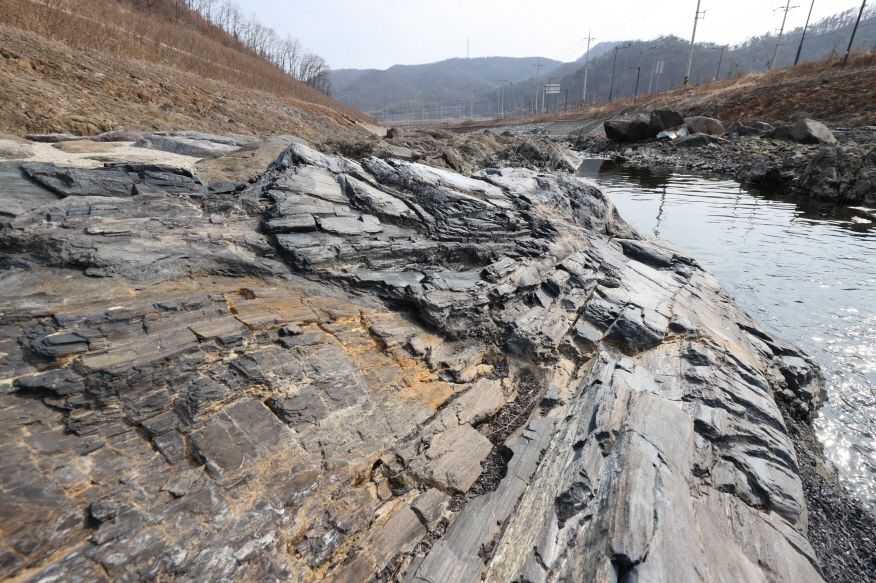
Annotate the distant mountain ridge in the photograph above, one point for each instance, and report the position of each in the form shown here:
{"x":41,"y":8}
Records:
{"x":446,"y":82}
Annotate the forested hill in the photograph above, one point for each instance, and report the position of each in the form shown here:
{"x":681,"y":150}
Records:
{"x":445,"y":82}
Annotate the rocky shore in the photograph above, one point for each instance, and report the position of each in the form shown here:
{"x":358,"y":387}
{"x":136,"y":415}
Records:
{"x":838,"y":168}
{"x":379,"y":370}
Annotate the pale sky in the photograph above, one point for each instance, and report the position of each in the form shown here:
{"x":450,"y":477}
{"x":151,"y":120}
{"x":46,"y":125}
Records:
{"x":376,"y":34}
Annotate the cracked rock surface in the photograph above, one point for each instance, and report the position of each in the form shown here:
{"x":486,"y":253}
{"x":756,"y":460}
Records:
{"x":382,"y":371}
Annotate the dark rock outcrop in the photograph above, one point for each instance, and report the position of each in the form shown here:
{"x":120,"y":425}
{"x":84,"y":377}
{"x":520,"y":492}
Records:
{"x":662,"y":120}
{"x":334,"y":375}
{"x":842,"y":173}
{"x":635,"y":129}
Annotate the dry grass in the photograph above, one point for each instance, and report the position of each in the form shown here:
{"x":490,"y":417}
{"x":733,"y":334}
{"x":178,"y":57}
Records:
{"x":188,"y":43}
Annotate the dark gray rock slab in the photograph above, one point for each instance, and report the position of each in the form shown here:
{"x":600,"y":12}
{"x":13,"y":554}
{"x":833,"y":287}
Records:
{"x":113,"y":180}
{"x":19,"y":194}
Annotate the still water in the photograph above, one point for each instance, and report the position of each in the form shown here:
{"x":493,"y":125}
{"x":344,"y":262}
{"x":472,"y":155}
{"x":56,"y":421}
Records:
{"x":803,"y":268}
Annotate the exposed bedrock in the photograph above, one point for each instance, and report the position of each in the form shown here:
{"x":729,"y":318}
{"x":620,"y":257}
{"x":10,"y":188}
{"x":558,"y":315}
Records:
{"x":382,"y":371}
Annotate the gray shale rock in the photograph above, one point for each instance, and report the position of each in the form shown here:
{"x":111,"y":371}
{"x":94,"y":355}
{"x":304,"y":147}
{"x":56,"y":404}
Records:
{"x":332,"y":374}
{"x":195,"y":144}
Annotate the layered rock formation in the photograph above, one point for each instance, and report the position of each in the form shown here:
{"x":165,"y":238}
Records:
{"x":382,"y":371}
{"x":464,"y":154}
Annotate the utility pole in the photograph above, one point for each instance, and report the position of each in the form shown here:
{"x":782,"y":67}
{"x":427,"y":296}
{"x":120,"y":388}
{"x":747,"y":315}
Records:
{"x":720,"y":59}
{"x":857,"y":22}
{"x":692,"y":39}
{"x":586,"y":66}
{"x":659,"y":72}
{"x":502,"y":99}
{"x":800,"y":48}
{"x":638,"y":72}
{"x":781,"y":32}
{"x":471,"y":107}
{"x":566,"y":106}
{"x":616,"y":49}
{"x":655,"y":48}
{"x":537,"y":69}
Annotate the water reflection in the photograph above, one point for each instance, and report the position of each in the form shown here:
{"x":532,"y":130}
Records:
{"x":804,"y":268}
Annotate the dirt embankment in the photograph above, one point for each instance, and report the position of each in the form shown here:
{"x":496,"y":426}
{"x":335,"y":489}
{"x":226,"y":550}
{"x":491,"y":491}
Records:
{"x":48,"y":86}
{"x":820,"y":90}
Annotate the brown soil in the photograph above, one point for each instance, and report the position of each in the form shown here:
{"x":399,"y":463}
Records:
{"x":819,"y":90}
{"x":48,"y":86}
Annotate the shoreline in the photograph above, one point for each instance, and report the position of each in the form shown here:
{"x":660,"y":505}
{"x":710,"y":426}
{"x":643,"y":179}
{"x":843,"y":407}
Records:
{"x":841,"y":530}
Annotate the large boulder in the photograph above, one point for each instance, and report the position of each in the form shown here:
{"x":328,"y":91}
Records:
{"x":662,"y":120}
{"x":704,"y":125}
{"x":627,"y":130}
{"x":809,"y":131}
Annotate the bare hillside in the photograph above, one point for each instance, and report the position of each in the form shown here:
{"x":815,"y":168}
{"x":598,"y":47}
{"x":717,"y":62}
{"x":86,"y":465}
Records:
{"x":49,"y":86}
